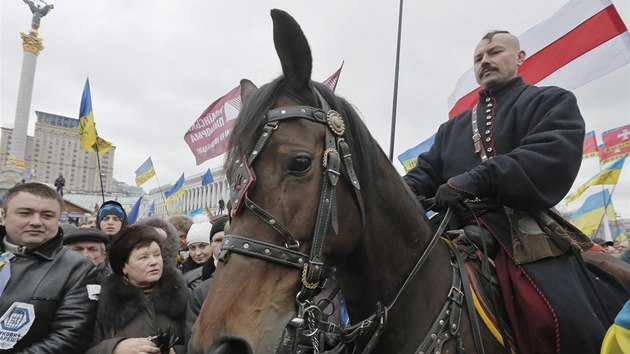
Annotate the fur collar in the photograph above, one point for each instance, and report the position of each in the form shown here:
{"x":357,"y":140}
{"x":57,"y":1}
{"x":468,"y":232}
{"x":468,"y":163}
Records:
{"x":120,"y":303}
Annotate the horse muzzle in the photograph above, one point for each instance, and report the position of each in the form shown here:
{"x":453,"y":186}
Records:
{"x":230,"y":345}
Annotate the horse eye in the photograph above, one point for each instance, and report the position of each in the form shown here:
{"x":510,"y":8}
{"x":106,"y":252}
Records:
{"x":300,"y":164}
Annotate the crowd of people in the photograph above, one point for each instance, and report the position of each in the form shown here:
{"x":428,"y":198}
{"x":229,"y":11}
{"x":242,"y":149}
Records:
{"x":103,"y":287}
{"x":110,"y":287}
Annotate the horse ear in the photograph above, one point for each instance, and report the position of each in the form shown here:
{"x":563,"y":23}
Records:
{"x":293,"y":51}
{"x":247,"y":90}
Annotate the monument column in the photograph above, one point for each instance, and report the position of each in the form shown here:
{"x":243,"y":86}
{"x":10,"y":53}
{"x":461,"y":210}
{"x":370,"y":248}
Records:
{"x":32,"y":45}
{"x":14,"y":170}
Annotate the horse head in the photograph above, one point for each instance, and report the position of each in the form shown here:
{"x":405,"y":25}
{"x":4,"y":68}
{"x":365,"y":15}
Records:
{"x":297,"y":159}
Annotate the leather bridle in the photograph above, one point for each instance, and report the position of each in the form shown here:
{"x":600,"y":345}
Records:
{"x":336,"y":150}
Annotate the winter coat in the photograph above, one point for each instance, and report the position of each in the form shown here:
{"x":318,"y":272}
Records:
{"x":126,"y":312}
{"x":53,"y":279}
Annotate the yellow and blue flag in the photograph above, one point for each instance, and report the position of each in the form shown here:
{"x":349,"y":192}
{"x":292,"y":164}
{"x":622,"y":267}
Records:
{"x":617,"y":339}
{"x":609,"y":175}
{"x":590,"y":215}
{"x":145,"y":172}
{"x":177,"y":191}
{"x":409,"y":158}
{"x":90,"y":141}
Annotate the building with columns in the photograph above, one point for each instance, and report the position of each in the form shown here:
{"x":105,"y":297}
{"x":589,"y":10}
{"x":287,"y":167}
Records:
{"x":195,"y":196}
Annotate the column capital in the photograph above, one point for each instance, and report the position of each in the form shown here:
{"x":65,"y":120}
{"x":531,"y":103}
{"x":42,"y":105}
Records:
{"x":31,"y":42}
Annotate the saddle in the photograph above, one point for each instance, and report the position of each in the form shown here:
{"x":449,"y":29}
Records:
{"x":478,"y":248}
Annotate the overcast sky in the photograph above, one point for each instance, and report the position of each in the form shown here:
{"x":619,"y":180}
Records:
{"x":155,"y":65}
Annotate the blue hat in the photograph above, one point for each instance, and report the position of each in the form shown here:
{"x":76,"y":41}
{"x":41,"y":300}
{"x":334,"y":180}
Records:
{"x":111,"y":207}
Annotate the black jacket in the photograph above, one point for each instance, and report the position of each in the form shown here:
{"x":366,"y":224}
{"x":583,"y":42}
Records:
{"x":53,"y":279}
{"x":536,"y":136}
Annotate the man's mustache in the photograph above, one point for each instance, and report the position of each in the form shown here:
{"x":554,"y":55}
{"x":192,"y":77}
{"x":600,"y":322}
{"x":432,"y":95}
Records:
{"x":487,"y":69}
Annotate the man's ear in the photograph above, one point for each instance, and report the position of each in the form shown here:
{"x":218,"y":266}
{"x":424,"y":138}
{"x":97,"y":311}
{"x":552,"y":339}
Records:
{"x":520,"y":57}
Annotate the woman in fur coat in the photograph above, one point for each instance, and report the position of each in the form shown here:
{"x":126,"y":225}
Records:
{"x":141,"y":298}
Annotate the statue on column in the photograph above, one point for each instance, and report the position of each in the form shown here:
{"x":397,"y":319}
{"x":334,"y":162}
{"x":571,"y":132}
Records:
{"x":38,"y":11}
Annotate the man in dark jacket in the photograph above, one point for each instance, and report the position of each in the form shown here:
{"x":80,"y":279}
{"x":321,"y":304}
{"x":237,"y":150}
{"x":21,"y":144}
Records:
{"x":524,"y":155}
{"x":45,"y":289}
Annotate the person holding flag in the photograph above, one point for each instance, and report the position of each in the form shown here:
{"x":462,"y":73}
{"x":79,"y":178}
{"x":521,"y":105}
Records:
{"x":521,"y":133}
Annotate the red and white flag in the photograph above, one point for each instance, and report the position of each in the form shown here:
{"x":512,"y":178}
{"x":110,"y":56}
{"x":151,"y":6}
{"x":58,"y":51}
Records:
{"x":617,"y":138}
{"x":590,"y":145}
{"x":208,"y":137}
{"x":609,"y":155}
{"x":331,"y":82}
{"x":584,"y":40}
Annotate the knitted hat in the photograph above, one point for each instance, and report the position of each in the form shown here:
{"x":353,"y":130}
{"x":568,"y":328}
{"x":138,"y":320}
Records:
{"x":199,"y":218}
{"x":111,"y":207}
{"x":219,"y":225}
{"x":85,"y":234}
{"x":130,"y":238}
{"x":199,"y":232}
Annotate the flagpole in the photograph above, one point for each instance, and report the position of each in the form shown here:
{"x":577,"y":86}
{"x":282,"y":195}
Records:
{"x":100,"y":175}
{"x":607,"y":201}
{"x":395,"y":103}
{"x":161,"y":193}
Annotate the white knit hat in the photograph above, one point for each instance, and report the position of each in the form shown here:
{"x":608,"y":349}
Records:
{"x":199,"y":218}
{"x":199,"y":232}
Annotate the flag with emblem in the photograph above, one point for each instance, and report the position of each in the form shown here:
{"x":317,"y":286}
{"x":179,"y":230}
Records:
{"x":90,"y":141}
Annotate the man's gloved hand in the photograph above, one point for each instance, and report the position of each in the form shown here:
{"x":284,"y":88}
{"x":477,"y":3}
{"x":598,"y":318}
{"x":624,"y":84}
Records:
{"x":426,"y":203}
{"x":446,"y":197}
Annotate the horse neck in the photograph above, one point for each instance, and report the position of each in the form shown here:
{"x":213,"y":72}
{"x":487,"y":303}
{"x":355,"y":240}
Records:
{"x":394,"y":238}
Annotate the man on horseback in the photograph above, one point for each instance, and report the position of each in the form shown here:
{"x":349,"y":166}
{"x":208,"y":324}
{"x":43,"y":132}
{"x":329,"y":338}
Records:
{"x":524,"y":156}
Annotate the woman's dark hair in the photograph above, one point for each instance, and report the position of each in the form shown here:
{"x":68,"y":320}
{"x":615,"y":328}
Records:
{"x":131,"y":238}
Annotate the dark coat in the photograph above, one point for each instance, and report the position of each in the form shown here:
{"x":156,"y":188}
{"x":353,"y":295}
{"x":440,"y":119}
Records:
{"x":533,"y":137}
{"x":534,"y":131}
{"x":54,"y":280}
{"x":125,"y":312}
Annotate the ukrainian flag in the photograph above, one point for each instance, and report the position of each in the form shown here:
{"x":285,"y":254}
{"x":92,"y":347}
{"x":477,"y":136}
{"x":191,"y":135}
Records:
{"x":177,"y":191}
{"x":588,"y":217}
{"x":609,"y":175}
{"x":87,"y":129}
{"x":617,"y":339}
{"x":145,"y":172}
{"x":409,"y":158}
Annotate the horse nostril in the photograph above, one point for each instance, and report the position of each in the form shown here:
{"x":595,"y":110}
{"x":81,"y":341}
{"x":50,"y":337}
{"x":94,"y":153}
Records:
{"x":230,"y":345}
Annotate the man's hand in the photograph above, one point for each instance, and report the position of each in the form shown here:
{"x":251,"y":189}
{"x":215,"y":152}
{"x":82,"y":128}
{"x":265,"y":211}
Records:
{"x":446,"y":197}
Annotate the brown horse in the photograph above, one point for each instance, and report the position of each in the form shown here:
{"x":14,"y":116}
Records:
{"x":311,"y":189}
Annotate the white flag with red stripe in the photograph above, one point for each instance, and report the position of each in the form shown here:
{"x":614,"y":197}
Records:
{"x":584,"y":40}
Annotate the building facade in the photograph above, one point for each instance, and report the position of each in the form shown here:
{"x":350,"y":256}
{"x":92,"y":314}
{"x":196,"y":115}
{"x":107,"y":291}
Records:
{"x":55,"y":149}
{"x":195,"y":196}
